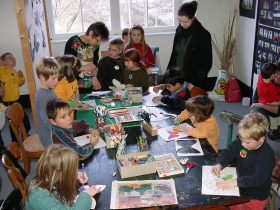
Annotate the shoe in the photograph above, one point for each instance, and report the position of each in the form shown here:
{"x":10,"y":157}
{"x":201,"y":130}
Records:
{"x":273,"y":134}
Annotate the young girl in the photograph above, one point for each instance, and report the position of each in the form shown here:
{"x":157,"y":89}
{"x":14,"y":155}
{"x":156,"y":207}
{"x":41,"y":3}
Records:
{"x":137,"y":41}
{"x":53,"y":186}
{"x":135,"y":73}
{"x":199,"y":110}
{"x":67,"y":87}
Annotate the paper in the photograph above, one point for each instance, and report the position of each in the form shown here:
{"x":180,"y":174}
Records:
{"x":139,"y":194}
{"x":85,"y":139}
{"x":167,"y":165}
{"x":99,"y":93}
{"x":91,"y":103}
{"x":209,"y":181}
{"x":169,"y":134}
{"x":187,"y":146}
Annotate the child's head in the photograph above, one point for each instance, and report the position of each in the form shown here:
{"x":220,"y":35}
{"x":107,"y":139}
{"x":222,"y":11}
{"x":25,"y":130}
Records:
{"x":8,"y":60}
{"x":125,"y":35}
{"x":252,"y":130}
{"x":132,"y":59}
{"x":137,"y":35}
{"x":174,"y":79}
{"x":60,"y":113}
{"x":268,"y":70}
{"x":57,"y":172}
{"x":116,"y":46}
{"x":47,"y":71}
{"x":200,"y":108}
{"x":69,"y":67}
{"x":186,"y":14}
{"x":97,"y":32}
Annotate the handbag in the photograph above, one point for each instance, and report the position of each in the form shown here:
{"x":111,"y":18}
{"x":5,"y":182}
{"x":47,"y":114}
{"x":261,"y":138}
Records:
{"x":232,"y":92}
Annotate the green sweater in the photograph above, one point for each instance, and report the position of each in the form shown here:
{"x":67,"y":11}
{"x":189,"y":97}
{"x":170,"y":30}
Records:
{"x":41,"y":199}
{"x":138,"y":78}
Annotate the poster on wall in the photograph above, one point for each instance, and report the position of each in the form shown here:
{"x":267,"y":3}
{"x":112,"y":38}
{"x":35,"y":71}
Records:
{"x":247,"y":8}
{"x":37,"y":32}
{"x":267,"y":42}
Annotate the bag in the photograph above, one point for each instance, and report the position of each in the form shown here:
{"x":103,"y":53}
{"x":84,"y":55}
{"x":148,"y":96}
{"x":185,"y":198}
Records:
{"x":13,"y":201}
{"x":232,"y":92}
{"x":218,"y":93}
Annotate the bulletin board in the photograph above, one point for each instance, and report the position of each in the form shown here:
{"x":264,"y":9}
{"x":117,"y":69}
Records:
{"x":267,"y":41}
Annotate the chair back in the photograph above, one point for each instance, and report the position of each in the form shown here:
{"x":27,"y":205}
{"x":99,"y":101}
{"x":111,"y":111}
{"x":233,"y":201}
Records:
{"x":14,"y":173}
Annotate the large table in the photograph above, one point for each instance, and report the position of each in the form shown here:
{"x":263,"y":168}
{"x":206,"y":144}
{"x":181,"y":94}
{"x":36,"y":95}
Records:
{"x":102,"y":165}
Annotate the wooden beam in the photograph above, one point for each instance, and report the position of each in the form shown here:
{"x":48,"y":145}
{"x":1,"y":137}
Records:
{"x":47,"y":27}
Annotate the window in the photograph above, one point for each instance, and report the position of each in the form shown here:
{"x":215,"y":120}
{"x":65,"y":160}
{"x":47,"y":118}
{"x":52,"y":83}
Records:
{"x":67,"y":17}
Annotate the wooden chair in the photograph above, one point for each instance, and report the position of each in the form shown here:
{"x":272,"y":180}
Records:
{"x":14,"y":173}
{"x":30,"y":146}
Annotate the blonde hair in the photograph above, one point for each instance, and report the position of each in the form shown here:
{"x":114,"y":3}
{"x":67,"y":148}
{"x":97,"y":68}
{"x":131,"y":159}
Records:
{"x":253,"y":126}
{"x":57,"y":171}
{"x":47,"y":67}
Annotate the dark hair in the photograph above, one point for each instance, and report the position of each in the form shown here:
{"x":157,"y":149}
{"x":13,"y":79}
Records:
{"x":117,"y":41}
{"x":268,"y":69}
{"x":143,"y":42}
{"x":3,"y":56}
{"x":134,"y":56}
{"x":125,"y":32}
{"x":69,"y":67}
{"x":188,"y":9}
{"x":201,"y":107}
{"x":173,"y":76}
{"x":54,"y":105}
{"x":98,"y":29}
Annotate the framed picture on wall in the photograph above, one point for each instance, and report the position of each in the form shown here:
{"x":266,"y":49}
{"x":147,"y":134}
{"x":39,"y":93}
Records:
{"x":247,"y":8}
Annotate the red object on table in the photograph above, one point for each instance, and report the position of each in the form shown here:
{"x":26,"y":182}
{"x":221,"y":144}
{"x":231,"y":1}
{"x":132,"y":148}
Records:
{"x":190,"y":165}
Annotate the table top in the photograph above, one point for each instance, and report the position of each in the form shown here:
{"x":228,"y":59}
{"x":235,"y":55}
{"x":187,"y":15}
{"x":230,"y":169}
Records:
{"x":101,"y":166}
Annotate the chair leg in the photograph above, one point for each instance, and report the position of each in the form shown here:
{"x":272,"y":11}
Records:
{"x":26,"y":161}
{"x":229,"y":134}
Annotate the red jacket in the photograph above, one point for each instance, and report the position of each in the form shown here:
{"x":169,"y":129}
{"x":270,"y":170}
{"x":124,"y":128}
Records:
{"x":267,"y":91}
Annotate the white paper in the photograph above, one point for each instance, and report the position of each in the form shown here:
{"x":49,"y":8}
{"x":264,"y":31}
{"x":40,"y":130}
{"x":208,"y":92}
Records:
{"x":91,"y":103}
{"x":209,"y":182}
{"x":169,"y":134}
{"x":186,"y":151}
{"x":85,"y":139}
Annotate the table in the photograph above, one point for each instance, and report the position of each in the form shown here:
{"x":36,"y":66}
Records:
{"x":102,"y":165}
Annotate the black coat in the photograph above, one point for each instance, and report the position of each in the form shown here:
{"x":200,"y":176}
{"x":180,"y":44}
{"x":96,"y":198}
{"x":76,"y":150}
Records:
{"x":198,"y":56}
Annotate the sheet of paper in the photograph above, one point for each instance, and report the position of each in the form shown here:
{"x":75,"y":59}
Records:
{"x":169,"y":134}
{"x":188,"y":146}
{"x":84,"y":139}
{"x":209,"y":181}
{"x":91,"y":103}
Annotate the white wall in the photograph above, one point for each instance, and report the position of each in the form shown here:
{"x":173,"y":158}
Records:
{"x":212,"y":14}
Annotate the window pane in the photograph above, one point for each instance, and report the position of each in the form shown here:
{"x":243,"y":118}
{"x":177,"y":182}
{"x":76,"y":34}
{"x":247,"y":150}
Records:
{"x":147,"y":13}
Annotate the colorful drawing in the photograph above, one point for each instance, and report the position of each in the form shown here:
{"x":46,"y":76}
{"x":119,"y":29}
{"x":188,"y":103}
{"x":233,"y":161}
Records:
{"x":209,"y":181}
{"x":167,"y":165}
{"x":188,"y":146}
{"x":139,"y":194}
{"x":169,"y":134}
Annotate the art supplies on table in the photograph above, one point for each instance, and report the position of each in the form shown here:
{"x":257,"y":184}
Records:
{"x":114,"y":134}
{"x":127,"y":119}
{"x":169,"y":134}
{"x":209,"y":182}
{"x":188,"y":146}
{"x":118,"y":112}
{"x":85,"y":139}
{"x":167,"y":165}
{"x":136,"y":164}
{"x":142,"y":144}
{"x":98,"y":93}
{"x":144,"y":193}
{"x":135,"y":94}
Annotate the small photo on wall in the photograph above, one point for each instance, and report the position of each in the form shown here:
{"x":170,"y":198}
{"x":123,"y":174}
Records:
{"x":247,"y":8}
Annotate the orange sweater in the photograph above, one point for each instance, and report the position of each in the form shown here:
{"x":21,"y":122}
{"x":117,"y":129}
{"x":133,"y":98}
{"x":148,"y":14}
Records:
{"x":208,"y":129}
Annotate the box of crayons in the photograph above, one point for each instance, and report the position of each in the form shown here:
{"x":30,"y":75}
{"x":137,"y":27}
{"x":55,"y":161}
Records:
{"x":136,"y":164}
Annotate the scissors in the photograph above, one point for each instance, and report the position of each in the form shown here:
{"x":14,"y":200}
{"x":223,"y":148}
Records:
{"x":189,"y":166}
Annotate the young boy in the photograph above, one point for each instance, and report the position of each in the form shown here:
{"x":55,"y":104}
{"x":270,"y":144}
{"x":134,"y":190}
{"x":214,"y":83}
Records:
{"x":64,"y":129}
{"x":254,"y":162}
{"x":112,"y":66}
{"x":47,"y":71}
{"x":178,"y":88}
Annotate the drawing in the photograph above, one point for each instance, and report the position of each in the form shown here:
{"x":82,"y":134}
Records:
{"x":146,"y":193}
{"x":169,"y":134}
{"x":188,"y":147}
{"x":209,"y":181}
{"x":167,"y":165}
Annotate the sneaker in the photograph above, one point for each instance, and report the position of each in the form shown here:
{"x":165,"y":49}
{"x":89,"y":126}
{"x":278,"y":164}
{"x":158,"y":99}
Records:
{"x":273,"y":134}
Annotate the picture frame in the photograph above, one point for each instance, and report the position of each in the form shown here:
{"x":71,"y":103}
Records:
{"x":247,"y":8}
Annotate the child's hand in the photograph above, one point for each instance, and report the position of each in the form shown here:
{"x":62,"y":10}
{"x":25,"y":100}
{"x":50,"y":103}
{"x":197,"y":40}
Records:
{"x":181,"y":129}
{"x":95,"y":83}
{"x":228,"y":184}
{"x":82,"y":177}
{"x":92,"y":191}
{"x":94,"y":140}
{"x":177,"y":120}
{"x":158,"y":88}
{"x":216,"y":169}
{"x":157,"y":98}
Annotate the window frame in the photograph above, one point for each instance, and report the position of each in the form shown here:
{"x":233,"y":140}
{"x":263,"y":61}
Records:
{"x":115,"y":22}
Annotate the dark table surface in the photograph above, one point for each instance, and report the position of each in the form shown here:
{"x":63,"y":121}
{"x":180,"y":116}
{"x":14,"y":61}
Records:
{"x":101,"y":166}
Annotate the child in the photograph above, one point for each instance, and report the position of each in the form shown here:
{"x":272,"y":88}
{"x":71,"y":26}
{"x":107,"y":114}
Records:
{"x":11,"y":80}
{"x":178,"y":87}
{"x":125,"y":35}
{"x":86,"y":48}
{"x":54,"y":183}
{"x":135,"y":73}
{"x":67,"y":87}
{"x":112,"y":66}
{"x":199,"y":110}
{"x":254,"y":162}
{"x":64,"y":129}
{"x":47,"y":71}
{"x":137,"y":41}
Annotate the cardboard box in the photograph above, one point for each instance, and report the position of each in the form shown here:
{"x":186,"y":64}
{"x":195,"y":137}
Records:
{"x":138,"y":169}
